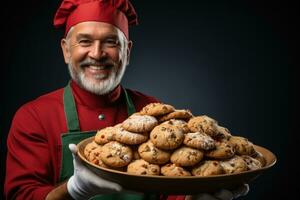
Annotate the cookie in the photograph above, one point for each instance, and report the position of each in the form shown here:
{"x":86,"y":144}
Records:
{"x":252,"y":163}
{"x":177,"y":114}
{"x":199,"y":141}
{"x":139,"y":123}
{"x":242,"y":146}
{"x":105,"y":135}
{"x":142,"y":167}
{"x":223,"y":150}
{"x":166,"y":136}
{"x":92,"y":153}
{"x":156,"y":109}
{"x":115,"y":154}
{"x":234,"y":165}
{"x":203,"y":124}
{"x":172,"y":169}
{"x":131,"y":138}
{"x":223,"y":133}
{"x":180,"y":123}
{"x":258,"y":156}
{"x":89,"y":148}
{"x":208,"y":168}
{"x":186,"y":156}
{"x":152,"y":154}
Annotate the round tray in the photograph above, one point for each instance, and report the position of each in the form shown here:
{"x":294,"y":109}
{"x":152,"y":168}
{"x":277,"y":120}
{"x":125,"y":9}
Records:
{"x":177,"y":185}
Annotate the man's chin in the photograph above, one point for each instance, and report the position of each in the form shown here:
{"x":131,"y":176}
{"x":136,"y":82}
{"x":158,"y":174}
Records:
{"x":99,"y":87}
{"x":97,"y":81}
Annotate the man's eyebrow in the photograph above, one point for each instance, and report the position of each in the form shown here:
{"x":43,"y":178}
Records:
{"x":83,"y":35}
{"x":112,"y":36}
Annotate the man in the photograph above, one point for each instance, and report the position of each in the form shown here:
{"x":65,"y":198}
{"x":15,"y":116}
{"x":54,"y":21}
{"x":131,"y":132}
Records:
{"x":96,"y":48}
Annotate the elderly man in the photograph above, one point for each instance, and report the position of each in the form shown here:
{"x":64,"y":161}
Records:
{"x":96,"y":48}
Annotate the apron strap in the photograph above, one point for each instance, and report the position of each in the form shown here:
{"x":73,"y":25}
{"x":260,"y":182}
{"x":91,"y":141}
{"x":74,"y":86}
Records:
{"x":71,"y":111}
{"x":129,"y":104}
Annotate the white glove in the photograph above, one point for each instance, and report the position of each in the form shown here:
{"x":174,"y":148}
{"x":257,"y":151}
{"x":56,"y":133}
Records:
{"x":84,"y":183}
{"x":224,"y":194}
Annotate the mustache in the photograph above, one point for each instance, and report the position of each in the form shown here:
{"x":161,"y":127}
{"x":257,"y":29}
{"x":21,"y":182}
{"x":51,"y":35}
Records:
{"x":102,"y":62}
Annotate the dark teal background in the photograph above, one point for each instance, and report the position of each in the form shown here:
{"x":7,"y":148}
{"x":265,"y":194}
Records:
{"x":232,"y":60}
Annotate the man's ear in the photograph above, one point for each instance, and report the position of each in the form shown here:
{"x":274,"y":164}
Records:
{"x":130,"y":43}
{"x":66,"y":50}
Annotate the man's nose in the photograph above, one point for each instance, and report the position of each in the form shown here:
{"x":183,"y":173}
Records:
{"x":97,"y":51}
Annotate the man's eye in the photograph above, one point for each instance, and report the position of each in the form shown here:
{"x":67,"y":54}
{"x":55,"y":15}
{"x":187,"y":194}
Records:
{"x":85,"y":42}
{"x":111,"y":43}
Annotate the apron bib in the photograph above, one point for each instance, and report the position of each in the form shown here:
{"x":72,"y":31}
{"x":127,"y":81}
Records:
{"x":74,"y":135}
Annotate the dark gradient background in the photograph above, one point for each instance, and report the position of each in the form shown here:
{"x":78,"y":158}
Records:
{"x":232,"y":60}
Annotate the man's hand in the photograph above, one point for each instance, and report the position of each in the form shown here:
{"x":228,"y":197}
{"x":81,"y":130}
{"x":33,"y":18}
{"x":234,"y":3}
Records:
{"x":84,"y":183}
{"x":223,"y":194}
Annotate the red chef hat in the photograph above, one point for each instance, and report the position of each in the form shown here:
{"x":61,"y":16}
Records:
{"x":119,"y":13}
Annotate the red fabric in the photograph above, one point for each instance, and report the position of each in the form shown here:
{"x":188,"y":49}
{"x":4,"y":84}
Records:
{"x":34,"y":140}
{"x":172,"y":197}
{"x":119,"y":13}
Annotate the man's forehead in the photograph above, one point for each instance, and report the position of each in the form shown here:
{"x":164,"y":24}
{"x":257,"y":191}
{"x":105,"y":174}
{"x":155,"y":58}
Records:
{"x":95,"y":30}
{"x":95,"y":27}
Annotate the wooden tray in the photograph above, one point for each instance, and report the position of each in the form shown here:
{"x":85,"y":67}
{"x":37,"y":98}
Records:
{"x":177,"y":185}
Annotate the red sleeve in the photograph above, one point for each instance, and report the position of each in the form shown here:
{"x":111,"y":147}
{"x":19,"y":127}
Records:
{"x":28,"y":166}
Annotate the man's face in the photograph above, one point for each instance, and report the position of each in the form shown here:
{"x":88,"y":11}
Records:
{"x":97,"y":54}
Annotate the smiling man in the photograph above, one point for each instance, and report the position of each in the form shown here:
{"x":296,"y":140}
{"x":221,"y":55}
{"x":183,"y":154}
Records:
{"x":42,"y":160}
{"x":97,"y":55}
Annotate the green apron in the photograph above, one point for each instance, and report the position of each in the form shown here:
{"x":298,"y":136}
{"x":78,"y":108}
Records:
{"x":74,"y":135}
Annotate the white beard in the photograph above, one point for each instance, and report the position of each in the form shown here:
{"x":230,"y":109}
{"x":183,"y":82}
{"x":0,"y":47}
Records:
{"x":101,"y":87}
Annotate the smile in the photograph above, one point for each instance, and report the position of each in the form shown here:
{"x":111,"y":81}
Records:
{"x":98,"y":72}
{"x":97,"y":67}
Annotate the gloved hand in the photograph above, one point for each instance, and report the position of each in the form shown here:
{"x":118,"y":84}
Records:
{"x":84,"y":183}
{"x":224,"y":194}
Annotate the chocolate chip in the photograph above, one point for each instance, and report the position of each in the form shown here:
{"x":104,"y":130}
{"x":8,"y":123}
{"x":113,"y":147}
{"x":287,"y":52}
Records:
{"x":147,"y":148}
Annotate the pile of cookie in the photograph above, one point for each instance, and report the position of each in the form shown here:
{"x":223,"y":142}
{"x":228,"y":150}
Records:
{"x":162,"y":140}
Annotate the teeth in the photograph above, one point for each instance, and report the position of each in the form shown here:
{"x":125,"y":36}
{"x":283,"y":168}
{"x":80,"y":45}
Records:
{"x":97,"y":67}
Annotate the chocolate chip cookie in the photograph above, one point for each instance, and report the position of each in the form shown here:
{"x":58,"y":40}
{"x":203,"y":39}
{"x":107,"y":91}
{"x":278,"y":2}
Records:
{"x":152,"y":154}
{"x":157,"y":109}
{"x":142,"y":167}
{"x":166,"y":136}
{"x":186,"y":156}
{"x":172,"y":169}
{"x":208,"y":168}
{"x":139,"y":123}
{"x":199,"y":141}
{"x":203,"y":124}
{"x":115,"y":154}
